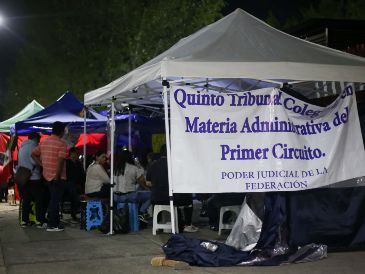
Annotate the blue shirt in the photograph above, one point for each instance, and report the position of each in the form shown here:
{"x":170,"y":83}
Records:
{"x":25,"y":158}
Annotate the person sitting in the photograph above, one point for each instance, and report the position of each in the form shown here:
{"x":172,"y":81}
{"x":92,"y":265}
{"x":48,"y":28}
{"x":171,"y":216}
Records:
{"x":157,"y":179}
{"x":147,"y":159}
{"x":97,"y":183}
{"x":130,"y":182}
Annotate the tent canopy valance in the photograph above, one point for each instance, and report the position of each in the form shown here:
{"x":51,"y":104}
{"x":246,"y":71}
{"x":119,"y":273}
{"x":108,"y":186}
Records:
{"x":67,"y":109}
{"x":238,"y":52}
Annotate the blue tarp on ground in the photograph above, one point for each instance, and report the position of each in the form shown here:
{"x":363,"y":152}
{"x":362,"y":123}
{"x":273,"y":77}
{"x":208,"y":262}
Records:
{"x":67,"y":109}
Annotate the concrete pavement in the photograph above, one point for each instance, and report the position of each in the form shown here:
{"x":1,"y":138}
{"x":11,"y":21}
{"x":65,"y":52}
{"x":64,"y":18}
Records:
{"x":33,"y":250}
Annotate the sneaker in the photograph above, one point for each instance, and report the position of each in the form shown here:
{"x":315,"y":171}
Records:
{"x":55,"y":229}
{"x":142,"y":218}
{"x":214,"y":228}
{"x":41,"y":226}
{"x":24,"y":224}
{"x":191,"y":229}
{"x":203,"y":213}
{"x":75,"y":217}
{"x":74,"y":221}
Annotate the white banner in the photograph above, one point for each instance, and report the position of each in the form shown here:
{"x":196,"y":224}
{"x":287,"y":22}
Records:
{"x":262,"y":140}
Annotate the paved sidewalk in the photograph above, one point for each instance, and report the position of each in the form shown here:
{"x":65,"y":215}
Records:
{"x":33,"y":250}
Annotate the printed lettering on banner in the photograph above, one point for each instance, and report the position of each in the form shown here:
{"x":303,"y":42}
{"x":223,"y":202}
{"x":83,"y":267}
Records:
{"x":262,"y":140}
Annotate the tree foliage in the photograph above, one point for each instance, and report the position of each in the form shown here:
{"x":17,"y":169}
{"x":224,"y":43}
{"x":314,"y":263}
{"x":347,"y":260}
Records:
{"x":339,"y":9}
{"x":80,"y":45}
{"x":330,"y":9}
{"x":272,"y":20}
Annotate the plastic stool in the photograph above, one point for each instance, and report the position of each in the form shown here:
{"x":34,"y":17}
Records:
{"x":167,"y":225}
{"x":133,"y":215}
{"x":236,"y":209}
{"x":91,"y":214}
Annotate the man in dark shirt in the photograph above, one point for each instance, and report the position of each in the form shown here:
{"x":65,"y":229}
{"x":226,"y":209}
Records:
{"x":157,"y":179}
{"x":75,"y":171}
{"x":75,"y":184}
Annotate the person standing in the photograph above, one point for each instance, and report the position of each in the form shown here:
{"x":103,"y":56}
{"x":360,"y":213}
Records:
{"x":3,"y":187}
{"x":75,"y":171}
{"x":33,"y":190}
{"x":75,"y":181}
{"x":51,"y":153}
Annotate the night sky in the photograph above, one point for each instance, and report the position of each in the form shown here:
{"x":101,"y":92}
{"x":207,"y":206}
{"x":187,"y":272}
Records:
{"x":11,"y":37}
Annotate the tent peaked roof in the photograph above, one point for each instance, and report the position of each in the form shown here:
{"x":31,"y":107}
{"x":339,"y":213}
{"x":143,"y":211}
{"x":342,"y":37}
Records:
{"x":67,"y":109}
{"x":240,"y":37}
{"x":240,"y":46}
{"x":30,"y":109}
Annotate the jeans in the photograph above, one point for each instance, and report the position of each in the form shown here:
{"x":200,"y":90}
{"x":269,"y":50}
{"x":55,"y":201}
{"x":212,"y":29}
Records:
{"x":56,"y":189}
{"x":141,"y":197}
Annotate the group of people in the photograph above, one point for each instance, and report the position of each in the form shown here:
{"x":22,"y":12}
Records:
{"x":47,"y":162}
{"x":133,"y":183}
{"x":56,"y":171}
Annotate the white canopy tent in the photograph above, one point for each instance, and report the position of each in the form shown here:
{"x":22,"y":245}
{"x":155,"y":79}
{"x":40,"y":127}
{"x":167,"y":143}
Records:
{"x":239,"y":46}
{"x":238,"y":52}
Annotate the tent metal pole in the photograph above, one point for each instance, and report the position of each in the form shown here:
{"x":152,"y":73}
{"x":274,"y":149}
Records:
{"x":129,"y":131}
{"x":168,"y":148}
{"x":84,"y":148}
{"x":112,"y":131}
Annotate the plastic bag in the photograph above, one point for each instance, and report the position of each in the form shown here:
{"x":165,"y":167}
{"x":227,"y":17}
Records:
{"x":246,"y":231}
{"x":120,"y":221}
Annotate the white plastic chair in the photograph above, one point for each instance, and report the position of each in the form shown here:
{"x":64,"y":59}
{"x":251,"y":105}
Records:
{"x":166,"y":226}
{"x":236,"y":209}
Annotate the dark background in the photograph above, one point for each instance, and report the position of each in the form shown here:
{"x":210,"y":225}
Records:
{"x":11,"y":37}
{"x":45,"y":82}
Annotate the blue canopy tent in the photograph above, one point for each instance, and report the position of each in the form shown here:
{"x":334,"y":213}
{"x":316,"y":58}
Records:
{"x":67,"y":109}
{"x":137,"y":131}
